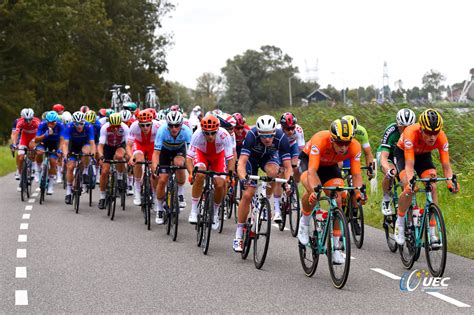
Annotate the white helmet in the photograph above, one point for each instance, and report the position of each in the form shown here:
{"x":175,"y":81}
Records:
{"x":216,"y":112}
{"x":66,"y":117}
{"x":174,"y":118}
{"x":161,"y":115}
{"x":23,"y":111}
{"x":405,"y":117}
{"x":126,"y":115}
{"x":79,"y":117}
{"x":28,"y":114}
{"x":266,"y":124}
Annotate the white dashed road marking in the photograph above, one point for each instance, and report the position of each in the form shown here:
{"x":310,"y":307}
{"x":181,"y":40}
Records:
{"x":22,"y":238}
{"x":21,"y":253}
{"x":31,"y":201}
{"x":29,"y":208}
{"x":386,"y":273}
{"x":21,"y":297}
{"x":20,"y":272}
{"x":34,"y":195}
{"x":26,"y":216}
{"x":24,"y":226}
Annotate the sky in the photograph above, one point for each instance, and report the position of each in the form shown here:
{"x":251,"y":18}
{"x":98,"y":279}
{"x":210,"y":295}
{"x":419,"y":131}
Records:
{"x":348,"y":41}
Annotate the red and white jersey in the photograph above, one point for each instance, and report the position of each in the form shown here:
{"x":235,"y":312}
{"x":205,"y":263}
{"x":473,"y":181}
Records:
{"x":187,"y":123}
{"x":296,"y":137}
{"x":136,"y":134}
{"x":27,"y":128}
{"x":223,"y":142}
{"x":113,"y":136}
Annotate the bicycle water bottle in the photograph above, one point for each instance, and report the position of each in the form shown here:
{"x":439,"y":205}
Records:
{"x":321,"y":216}
{"x":417,"y":212}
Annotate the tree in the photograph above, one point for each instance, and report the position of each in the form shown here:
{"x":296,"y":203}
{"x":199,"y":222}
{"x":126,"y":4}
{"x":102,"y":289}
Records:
{"x":208,"y":86}
{"x":432,"y":81}
{"x":237,"y":95}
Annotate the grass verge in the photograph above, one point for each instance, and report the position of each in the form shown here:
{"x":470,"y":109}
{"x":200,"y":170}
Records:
{"x":7,"y":163}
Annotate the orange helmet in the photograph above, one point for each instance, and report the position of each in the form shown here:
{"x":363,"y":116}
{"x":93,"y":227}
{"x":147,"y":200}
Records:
{"x":210,"y":123}
{"x":152,"y":111}
{"x":144,"y":116}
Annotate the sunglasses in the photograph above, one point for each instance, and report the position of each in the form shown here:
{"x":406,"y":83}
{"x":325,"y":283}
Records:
{"x":209,"y":133}
{"x":342,"y":143}
{"x":174,"y":126}
{"x":267,"y":136}
{"x":145,"y":125}
{"x":239,"y":127}
{"x":79,"y":124}
{"x":431,"y":133}
{"x":290,"y":128}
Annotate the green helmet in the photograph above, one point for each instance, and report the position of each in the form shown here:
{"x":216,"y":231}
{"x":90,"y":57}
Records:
{"x":109,"y":112}
{"x":131,"y":106}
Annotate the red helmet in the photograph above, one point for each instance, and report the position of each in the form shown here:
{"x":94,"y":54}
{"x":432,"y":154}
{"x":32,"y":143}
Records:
{"x":288,"y":120}
{"x":210,"y":123}
{"x":145,"y":116}
{"x":102,"y":112}
{"x":84,"y":109}
{"x":58,"y":108}
{"x":174,"y":108}
{"x":239,"y":118}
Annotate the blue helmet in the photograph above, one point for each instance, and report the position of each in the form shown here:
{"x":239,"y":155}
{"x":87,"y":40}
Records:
{"x":52,"y":116}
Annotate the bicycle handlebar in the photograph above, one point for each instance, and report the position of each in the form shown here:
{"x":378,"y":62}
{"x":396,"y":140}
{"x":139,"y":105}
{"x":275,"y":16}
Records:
{"x":113,"y":161}
{"x":413,"y":180}
{"x":318,"y":189}
{"x":267,"y":179}
{"x":211,"y":173}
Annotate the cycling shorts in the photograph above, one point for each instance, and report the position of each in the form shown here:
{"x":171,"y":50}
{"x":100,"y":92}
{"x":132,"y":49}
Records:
{"x":109,"y":151}
{"x":146,"y":149}
{"x":423,"y":161}
{"x":214,"y":162}
{"x":167,"y":157}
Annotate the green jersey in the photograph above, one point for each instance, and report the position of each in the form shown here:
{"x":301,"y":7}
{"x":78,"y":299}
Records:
{"x":389,"y":139}
{"x":362,"y":136}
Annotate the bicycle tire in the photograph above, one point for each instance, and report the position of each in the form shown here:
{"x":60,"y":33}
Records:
{"x":114,"y":202}
{"x":169,"y":209}
{"x":229,"y":202}
{"x":359,"y":218}
{"x":123,"y":193}
{"x":64,"y":174}
{"x":147,"y":199}
{"x":247,"y":240}
{"x":110,"y":193}
{"x":23,"y":182}
{"x":91,"y":184}
{"x":408,"y":250}
{"x":294,"y":215}
{"x":337,"y":281}
{"x":77,"y":188}
{"x":174,"y":212}
{"x":443,"y":248}
{"x":221,"y":216}
{"x":283,"y":209}
{"x":43,"y":181}
{"x":309,"y":254}
{"x":199,"y":227}
{"x":389,"y":228}
{"x":208,"y":218}
{"x":262,"y":238}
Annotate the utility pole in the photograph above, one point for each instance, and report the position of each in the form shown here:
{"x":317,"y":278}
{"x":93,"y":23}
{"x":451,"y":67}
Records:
{"x":289,"y":90}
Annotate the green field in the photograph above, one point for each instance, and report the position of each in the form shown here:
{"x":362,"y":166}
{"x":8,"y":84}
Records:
{"x":457,"y":210}
{"x":7,"y":163}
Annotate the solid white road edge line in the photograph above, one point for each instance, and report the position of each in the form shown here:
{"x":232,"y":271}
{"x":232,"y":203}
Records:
{"x":21,"y":297}
{"x":448,"y":299}
{"x":386,"y":273}
{"x":34,"y":194}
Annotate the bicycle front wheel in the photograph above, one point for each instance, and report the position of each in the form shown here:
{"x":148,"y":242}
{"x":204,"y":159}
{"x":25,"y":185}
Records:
{"x":173,"y":220}
{"x":247,"y":239}
{"x":408,"y":250}
{"x":23,"y":182}
{"x":338,"y":245}
{"x":77,"y":189}
{"x":435,"y":241}
{"x":262,"y":226}
{"x":284,"y":207}
{"x":295,"y":209}
{"x":309,"y":254}
{"x":207,"y":222}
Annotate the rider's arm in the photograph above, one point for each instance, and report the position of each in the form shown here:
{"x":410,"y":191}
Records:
{"x":384,"y":160}
{"x":241,"y":167}
{"x":14,"y":136}
{"x":369,"y":158}
{"x":313,"y":165}
{"x":288,"y":169}
{"x":443,"y":149}
{"x":155,"y":160}
{"x":129,"y":146}
{"x":93,"y":148}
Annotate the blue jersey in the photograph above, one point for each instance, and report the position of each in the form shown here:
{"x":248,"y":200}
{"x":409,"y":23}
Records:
{"x":57,"y":132}
{"x":74,"y":136}
{"x":164,"y":139}
{"x":254,"y":148}
{"x":97,"y":125}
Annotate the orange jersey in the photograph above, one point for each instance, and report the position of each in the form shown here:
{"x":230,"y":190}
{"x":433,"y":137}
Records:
{"x":320,"y":152}
{"x":412,"y":143}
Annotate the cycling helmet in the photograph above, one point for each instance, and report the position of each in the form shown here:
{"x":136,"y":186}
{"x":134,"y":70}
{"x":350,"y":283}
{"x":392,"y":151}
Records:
{"x":126,"y":115}
{"x":352,"y":120}
{"x":109,"y":112}
{"x":239,"y":119}
{"x":51,"y":116}
{"x":431,"y":120}
{"x":174,"y":118}
{"x":23,"y":111}
{"x":102,"y":112}
{"x":197,"y":108}
{"x":66,"y":117}
{"x":216,"y":112}
{"x":90,"y":117}
{"x":176,"y":108}
{"x":227,"y":121}
{"x":152,"y":111}
{"x":288,"y":120}
{"x":266,"y":124}
{"x":131,"y":106}
{"x":144,"y":116}
{"x":161,"y":115}
{"x":342,"y":130}
{"x":84,"y":109}
{"x":115,"y":119}
{"x":405,"y":117}
{"x":29,"y":114}
{"x":210,"y":123}
{"x":58,"y":108}
{"x":78,"y":117}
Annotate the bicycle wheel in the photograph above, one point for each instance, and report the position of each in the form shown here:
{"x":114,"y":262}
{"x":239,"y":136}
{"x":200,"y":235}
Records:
{"x":123,"y":194}
{"x":23,"y":182}
{"x":408,"y":250}
{"x":175,"y":212}
{"x":309,"y":254}
{"x":114,"y":201}
{"x":247,"y":239}
{"x":356,"y":217}
{"x":43,"y":181}
{"x":77,"y":188}
{"x":284,"y":207}
{"x":148,"y":201}
{"x":295,"y":209}
{"x":229,"y":203}
{"x":199,"y":224}
{"x":222,"y":214}
{"x":435,"y":247}
{"x":64,"y":172}
{"x":207,"y":222}
{"x":339,"y":272}
{"x":110,"y":193}
{"x":389,"y":228}
{"x":91,"y":184}
{"x":169,"y":200}
{"x":263,"y":227}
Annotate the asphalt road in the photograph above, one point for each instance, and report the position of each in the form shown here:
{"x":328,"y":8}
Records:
{"x":86,"y":263}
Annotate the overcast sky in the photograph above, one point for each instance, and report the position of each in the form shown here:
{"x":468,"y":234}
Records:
{"x":350,"y":39}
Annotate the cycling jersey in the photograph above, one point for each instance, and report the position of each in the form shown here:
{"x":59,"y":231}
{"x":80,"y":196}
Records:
{"x":412,"y":143}
{"x":27,"y":130}
{"x":255,"y":149}
{"x":96,"y":126}
{"x":136,"y":134}
{"x":103,"y":120}
{"x":240,"y":139}
{"x":296,"y":138}
{"x":222,"y":143}
{"x":164,"y":139}
{"x":321,"y":153}
{"x":76,"y":137}
{"x":113,"y":135}
{"x":362,"y":136}
{"x":50,"y":138}
{"x":389,"y":139}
